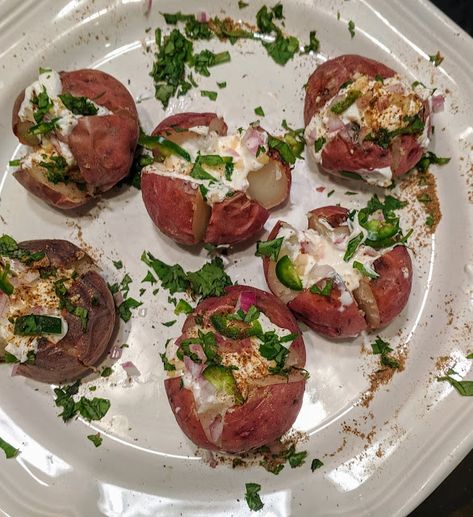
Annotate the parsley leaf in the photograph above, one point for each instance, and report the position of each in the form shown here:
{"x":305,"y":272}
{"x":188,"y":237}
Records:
{"x":183,"y":308}
{"x":210,"y":279}
{"x":351,"y":28}
{"x":125,"y":308}
{"x":169,"y":367}
{"x":252,"y":496}
{"x":78,"y":105}
{"x":259,"y":111}
{"x":211,"y":95}
{"x":173,"y":278}
{"x":96,"y":439}
{"x":316,"y":464}
{"x":326,"y":290}
{"x":465,"y":388}
{"x":270,"y":248}
{"x":381,"y":347}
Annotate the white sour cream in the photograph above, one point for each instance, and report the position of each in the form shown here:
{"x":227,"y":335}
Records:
{"x":210,"y":143}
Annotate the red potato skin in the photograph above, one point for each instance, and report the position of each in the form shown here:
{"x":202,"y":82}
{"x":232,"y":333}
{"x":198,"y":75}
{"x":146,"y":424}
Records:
{"x":342,"y":153}
{"x":233,"y":220}
{"x":76,"y":354}
{"x":161,"y":197}
{"x":103,"y":146}
{"x":393,"y":287}
{"x":322,"y":313}
{"x":222,"y":229}
{"x":269,"y":410}
{"x":46,"y":191}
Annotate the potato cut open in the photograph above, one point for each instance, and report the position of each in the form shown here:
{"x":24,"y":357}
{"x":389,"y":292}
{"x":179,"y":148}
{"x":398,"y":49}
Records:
{"x":270,"y":185}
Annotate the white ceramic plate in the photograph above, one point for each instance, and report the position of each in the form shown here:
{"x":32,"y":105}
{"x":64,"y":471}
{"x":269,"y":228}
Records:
{"x":383,"y":459}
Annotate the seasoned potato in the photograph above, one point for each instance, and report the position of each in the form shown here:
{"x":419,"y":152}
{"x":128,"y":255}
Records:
{"x":88,"y":310}
{"x":177,"y":206}
{"x":236,"y":410}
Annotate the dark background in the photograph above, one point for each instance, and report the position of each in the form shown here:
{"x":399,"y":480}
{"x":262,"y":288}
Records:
{"x":454,"y":497}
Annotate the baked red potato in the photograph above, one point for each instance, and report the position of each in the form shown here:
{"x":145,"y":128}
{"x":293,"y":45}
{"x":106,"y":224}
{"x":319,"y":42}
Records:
{"x":83,"y":130}
{"x":57,"y":312}
{"x":246,"y":180}
{"x":238,"y":378}
{"x":362,"y":118}
{"x":338,"y":277}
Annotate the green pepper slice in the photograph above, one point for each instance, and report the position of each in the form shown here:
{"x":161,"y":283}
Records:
{"x":163,"y":145}
{"x":223,"y":381}
{"x":287,"y":274}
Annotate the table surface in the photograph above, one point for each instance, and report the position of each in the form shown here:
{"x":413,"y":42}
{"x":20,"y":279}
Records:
{"x":454,"y":497}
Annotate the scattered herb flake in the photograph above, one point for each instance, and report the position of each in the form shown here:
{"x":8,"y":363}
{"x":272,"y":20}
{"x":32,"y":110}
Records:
{"x":436,"y":59}
{"x":96,"y":439}
{"x":169,"y":323}
{"x":118,"y":264}
{"x":211,"y":95}
{"x":316,"y":464}
{"x":259,"y":111}
{"x":252,"y":496}
{"x":351,"y":28}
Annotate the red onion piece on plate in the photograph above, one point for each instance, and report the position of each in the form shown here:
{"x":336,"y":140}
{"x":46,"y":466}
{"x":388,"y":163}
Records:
{"x":438,"y":103}
{"x":130,"y":369}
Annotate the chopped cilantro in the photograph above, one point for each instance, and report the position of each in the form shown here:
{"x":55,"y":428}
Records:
{"x":259,"y":111}
{"x":183,"y":308}
{"x":117,"y":263}
{"x":330,"y":194}
{"x":351,"y":28}
{"x":78,"y":105}
{"x":436,"y":59}
{"x":316,"y":464}
{"x":270,"y":248}
{"x":211,"y":95}
{"x":381,"y":347}
{"x":430,"y":221}
{"x":210,"y":279}
{"x":106,"y":372}
{"x":169,"y":367}
{"x":428,"y":159}
{"x":125,"y":308}
{"x":96,"y":439}
{"x":370,"y":273}
{"x":223,"y":84}
{"x":14,"y":163}
{"x":242,"y":5}
{"x":252,"y":496}
{"x":205,"y":59}
{"x":283,"y":149}
{"x":314,"y":43}
{"x":319,"y":143}
{"x":296,"y":459}
{"x":325,"y":291}
{"x":169,"y":323}
{"x":173,"y":278}
{"x":57,"y":168}
{"x":352,"y":246}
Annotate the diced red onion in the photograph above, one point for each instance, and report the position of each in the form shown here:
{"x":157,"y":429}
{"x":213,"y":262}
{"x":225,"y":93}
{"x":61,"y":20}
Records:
{"x":148,"y":6}
{"x":312,"y":136}
{"x":202,"y":17}
{"x":216,"y":429}
{"x":130,"y":369}
{"x":116,"y":352}
{"x":195,"y":369}
{"x":334,"y":124}
{"x":320,"y":189}
{"x":14,"y":370}
{"x":252,"y":140}
{"x":246,"y":300}
{"x":438,"y":103}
